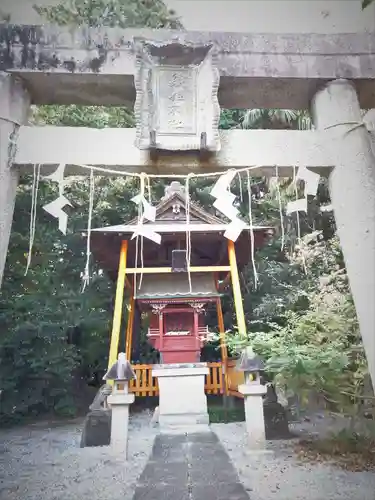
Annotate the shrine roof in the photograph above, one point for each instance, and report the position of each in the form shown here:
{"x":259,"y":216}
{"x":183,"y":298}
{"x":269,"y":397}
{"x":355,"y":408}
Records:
{"x":176,"y":285}
{"x":172,"y":208}
{"x":171,"y":217}
{"x":209,"y":245}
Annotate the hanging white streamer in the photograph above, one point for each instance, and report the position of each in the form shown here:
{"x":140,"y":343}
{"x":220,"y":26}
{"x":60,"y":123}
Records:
{"x":234,"y":229}
{"x":86,"y":273}
{"x":252,"y":240}
{"x":34,"y":199}
{"x":224,"y":204}
{"x":57,"y":176}
{"x":326,"y":208}
{"x":188,"y":233}
{"x":280,"y":208}
{"x":299,"y":239}
{"x":299,"y":205}
{"x":147,"y":212}
{"x":55,"y":208}
{"x":311,"y":180}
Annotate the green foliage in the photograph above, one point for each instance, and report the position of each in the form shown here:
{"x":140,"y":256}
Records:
{"x":95,"y":13}
{"x":276,"y":118}
{"x":316,"y":349}
{"x":111,"y":13}
{"x":52,"y":334}
{"x":83,"y":116}
{"x":221,"y":415}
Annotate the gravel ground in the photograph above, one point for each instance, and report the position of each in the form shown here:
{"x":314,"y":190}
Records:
{"x":278,"y":475}
{"x":42,"y":462}
{"x":46,"y":463}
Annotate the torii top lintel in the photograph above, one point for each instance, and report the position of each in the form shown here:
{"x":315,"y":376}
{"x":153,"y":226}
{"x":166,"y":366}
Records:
{"x":257,"y":70}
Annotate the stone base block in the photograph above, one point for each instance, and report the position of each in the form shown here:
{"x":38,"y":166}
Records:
{"x":276,"y":421}
{"x":182,"y":399}
{"x":96,"y":429}
{"x":187,"y":423}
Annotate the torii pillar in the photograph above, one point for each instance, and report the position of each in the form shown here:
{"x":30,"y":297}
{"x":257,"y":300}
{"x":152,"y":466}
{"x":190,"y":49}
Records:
{"x":14,"y":105}
{"x":336,"y":110}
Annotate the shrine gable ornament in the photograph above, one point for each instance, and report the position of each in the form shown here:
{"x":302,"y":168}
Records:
{"x":177,"y":107}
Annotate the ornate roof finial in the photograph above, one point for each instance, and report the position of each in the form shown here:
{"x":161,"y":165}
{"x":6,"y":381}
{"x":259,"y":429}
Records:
{"x":174,"y":187}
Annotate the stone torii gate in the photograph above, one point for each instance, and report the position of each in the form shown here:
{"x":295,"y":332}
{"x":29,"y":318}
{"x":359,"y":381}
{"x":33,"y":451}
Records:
{"x":333,"y":75}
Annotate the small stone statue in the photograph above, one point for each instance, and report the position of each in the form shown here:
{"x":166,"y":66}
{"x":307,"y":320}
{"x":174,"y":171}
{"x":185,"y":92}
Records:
{"x":97,"y":425}
{"x":100,"y":398}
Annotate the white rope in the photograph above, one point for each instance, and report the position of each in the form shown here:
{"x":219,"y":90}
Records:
{"x":86,"y":273}
{"x":34,"y":199}
{"x":299,"y":239}
{"x":140,"y":215}
{"x":240,"y":186}
{"x":256,"y":279}
{"x":136,"y":260}
{"x":148,"y":183}
{"x":148,"y":188}
{"x":280,"y":208}
{"x":164,"y":176}
{"x":9,"y":120}
{"x":188,"y":232}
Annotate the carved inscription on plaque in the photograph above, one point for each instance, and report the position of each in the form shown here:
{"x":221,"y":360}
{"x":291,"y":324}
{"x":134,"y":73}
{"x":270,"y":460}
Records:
{"x":176,"y":105}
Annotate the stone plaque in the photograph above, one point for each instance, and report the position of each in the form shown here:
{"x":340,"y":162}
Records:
{"x":176,"y":105}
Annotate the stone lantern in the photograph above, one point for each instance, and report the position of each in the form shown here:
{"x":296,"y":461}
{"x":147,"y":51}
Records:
{"x":253,"y":392}
{"x":119,"y":401}
{"x":252,"y":366}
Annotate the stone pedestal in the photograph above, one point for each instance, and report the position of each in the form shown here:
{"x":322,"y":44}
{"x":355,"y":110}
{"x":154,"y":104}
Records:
{"x":255,"y":426}
{"x":119,"y":401}
{"x":96,"y":429}
{"x":336,"y":111}
{"x":14,"y":103}
{"x":182,"y":398}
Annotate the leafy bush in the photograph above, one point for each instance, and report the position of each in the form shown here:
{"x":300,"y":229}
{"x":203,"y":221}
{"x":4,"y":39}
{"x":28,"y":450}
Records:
{"x":318,"y":349}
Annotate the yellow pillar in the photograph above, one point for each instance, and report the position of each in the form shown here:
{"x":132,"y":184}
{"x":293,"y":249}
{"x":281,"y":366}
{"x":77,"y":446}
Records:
{"x":117,"y":315}
{"x":237,"y":296}
{"x":129,"y":328}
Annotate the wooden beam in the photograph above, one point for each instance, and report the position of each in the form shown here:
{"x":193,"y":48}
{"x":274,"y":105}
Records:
{"x":106,"y":149}
{"x":166,"y":270}
{"x":119,"y":300}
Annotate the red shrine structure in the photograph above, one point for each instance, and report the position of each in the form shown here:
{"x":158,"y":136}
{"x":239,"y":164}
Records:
{"x":163,"y":290}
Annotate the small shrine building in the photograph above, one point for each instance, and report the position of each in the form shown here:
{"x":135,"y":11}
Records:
{"x":171,"y":294}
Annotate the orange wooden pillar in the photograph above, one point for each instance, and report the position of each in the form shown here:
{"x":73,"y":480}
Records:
{"x":223,"y":346}
{"x":119,"y":300}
